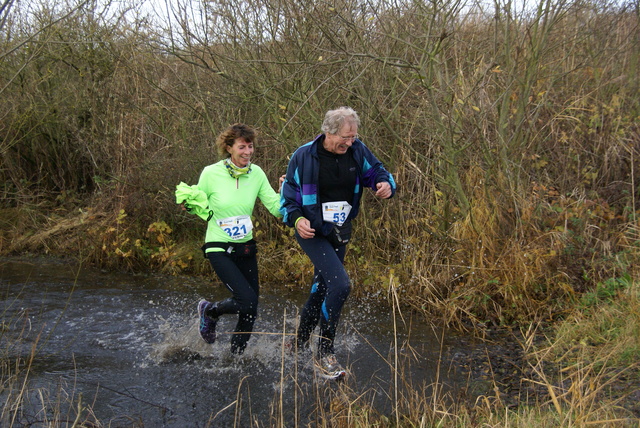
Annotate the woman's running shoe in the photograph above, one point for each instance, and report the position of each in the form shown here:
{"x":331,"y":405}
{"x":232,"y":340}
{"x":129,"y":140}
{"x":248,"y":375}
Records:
{"x":207,"y":324}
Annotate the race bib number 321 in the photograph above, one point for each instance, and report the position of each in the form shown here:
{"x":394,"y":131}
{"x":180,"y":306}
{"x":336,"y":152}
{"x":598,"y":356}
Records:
{"x":236,"y":227}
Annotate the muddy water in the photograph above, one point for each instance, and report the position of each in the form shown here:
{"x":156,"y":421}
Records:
{"x":129,"y":344}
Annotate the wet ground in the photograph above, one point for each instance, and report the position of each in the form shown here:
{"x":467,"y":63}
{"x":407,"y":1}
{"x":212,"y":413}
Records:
{"x":129,"y":344}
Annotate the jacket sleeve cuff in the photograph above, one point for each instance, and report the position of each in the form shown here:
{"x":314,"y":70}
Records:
{"x":295,"y":217}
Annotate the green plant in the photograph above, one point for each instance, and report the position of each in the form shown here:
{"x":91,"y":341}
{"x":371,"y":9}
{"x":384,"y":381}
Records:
{"x":606,"y":292}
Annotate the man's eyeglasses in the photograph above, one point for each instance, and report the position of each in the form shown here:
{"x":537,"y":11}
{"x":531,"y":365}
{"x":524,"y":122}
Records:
{"x":349,"y":138}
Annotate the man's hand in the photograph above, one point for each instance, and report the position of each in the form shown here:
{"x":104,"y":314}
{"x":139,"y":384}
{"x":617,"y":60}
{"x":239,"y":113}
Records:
{"x":384,"y":190}
{"x":304,"y":229}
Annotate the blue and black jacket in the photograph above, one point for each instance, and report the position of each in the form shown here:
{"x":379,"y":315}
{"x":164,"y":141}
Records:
{"x":299,"y":193}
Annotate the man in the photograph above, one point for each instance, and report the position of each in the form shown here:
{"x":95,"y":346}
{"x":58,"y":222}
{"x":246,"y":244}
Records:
{"x":320,"y":196}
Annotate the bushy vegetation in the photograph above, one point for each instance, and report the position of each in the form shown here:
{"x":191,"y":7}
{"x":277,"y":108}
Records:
{"x":512,"y":133}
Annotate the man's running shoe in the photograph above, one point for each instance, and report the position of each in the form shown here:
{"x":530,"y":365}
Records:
{"x":328,"y":367}
{"x":207,"y":324}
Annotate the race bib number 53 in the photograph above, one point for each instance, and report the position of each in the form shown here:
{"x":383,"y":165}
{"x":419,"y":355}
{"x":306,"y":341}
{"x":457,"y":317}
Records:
{"x":336,"y":212}
{"x":236,"y":227}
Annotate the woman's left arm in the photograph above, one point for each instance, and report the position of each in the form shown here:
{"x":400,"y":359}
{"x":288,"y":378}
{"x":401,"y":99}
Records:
{"x":269,"y":198}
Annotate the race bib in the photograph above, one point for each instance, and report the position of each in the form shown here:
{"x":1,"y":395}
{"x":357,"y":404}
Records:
{"x":336,"y":212}
{"x":236,"y":227}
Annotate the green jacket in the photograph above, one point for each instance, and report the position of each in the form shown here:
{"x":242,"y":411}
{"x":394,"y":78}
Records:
{"x":218,"y":196}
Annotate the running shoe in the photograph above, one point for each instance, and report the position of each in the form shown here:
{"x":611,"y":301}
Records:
{"x":207,"y":324}
{"x":328,"y":367}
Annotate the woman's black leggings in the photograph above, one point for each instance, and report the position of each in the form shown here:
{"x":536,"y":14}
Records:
{"x":330,"y":289}
{"x":240,"y":276}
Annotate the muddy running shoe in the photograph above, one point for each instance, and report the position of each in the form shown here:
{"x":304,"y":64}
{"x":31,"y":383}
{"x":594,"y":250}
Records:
{"x":328,"y":367}
{"x":207,"y":324}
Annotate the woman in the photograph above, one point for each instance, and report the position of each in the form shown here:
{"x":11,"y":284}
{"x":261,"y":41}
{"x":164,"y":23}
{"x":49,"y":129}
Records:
{"x":320,"y":196}
{"x":225,"y":197}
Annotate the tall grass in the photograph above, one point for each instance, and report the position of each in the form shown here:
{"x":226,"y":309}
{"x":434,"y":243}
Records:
{"x":512,"y":134}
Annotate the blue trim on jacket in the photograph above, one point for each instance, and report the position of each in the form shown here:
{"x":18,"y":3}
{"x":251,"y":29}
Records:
{"x":299,"y":191}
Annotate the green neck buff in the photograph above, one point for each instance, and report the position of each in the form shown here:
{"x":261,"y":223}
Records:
{"x":235,"y":171}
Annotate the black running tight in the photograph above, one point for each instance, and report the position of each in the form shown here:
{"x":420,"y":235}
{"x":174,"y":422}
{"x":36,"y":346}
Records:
{"x":330,"y":289}
{"x":240,"y":276}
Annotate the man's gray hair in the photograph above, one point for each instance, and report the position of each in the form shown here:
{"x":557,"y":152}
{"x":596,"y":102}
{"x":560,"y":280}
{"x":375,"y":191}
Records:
{"x":335,"y":119}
